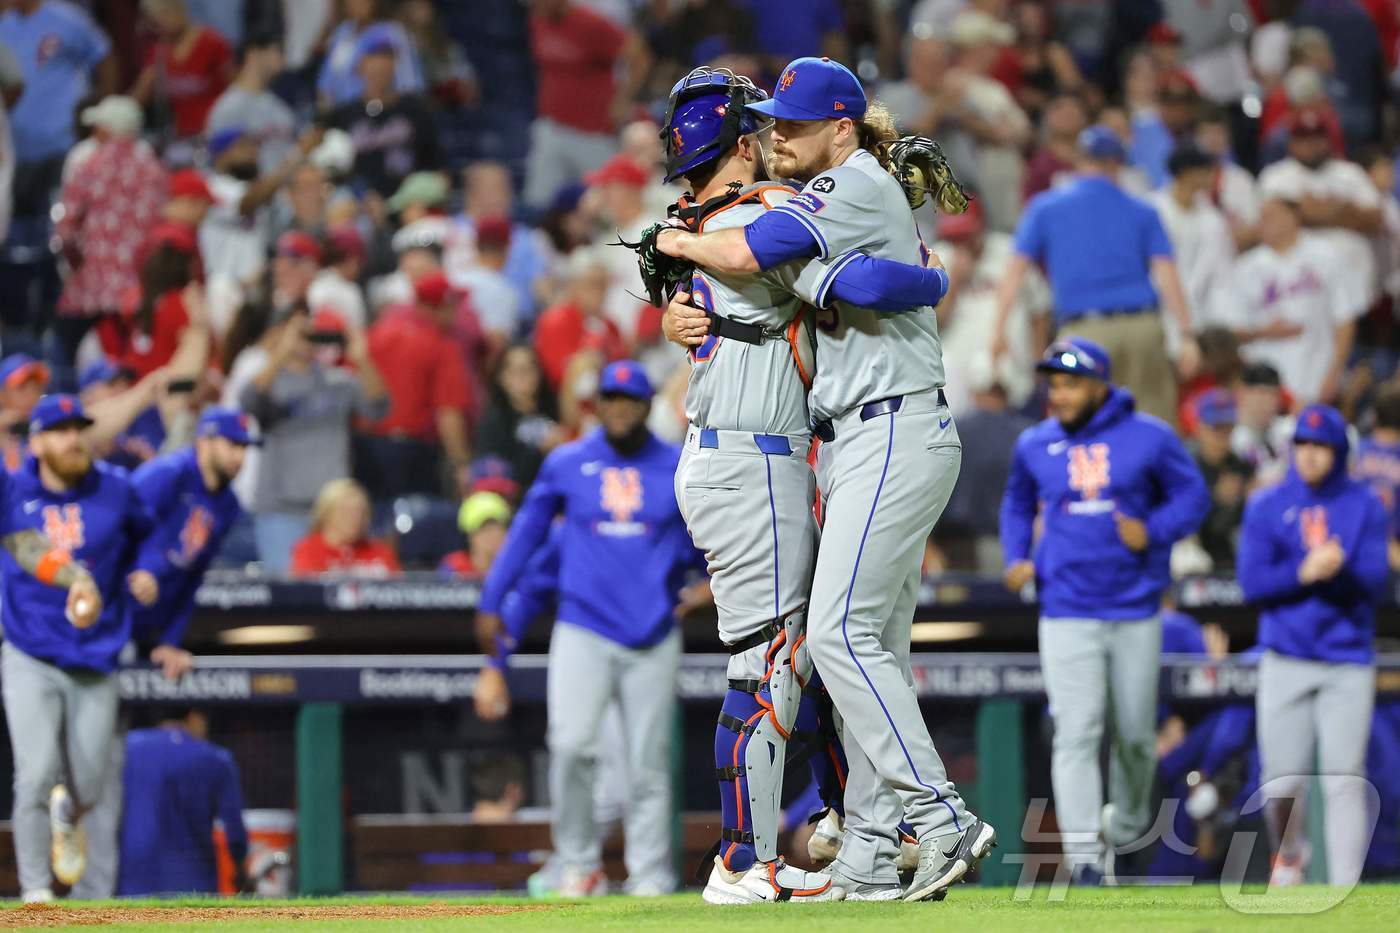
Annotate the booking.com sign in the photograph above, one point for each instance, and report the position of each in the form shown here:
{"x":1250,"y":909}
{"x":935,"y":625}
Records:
{"x":1285,"y":797}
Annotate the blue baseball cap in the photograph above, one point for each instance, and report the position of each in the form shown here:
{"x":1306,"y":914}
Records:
{"x":56,"y":411}
{"x":226,"y":423}
{"x":103,"y":370}
{"x":814,"y":89}
{"x":1216,"y":408}
{"x":376,"y":40}
{"x":18,"y":368}
{"x":1100,"y":142}
{"x":222,"y":140}
{"x":625,"y":377}
{"x":1077,"y":356}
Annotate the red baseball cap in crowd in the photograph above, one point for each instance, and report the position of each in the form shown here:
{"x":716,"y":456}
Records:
{"x":493,"y":231}
{"x":962,"y":226}
{"x":187,"y":183}
{"x":297,"y":244}
{"x":1164,"y":33}
{"x":181,"y":236}
{"x":1307,"y":121}
{"x":19,"y":368}
{"x":327,"y":321}
{"x":619,"y":169}
{"x":1177,"y":84}
{"x":347,"y":240}
{"x":432,"y":289}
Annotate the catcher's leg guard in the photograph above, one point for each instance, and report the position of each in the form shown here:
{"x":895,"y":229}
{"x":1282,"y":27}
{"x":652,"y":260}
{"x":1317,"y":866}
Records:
{"x":815,"y":728}
{"x":765,"y":690}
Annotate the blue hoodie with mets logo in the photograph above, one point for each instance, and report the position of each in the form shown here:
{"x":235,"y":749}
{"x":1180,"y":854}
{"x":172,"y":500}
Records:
{"x":1120,"y":462}
{"x":1331,"y":620}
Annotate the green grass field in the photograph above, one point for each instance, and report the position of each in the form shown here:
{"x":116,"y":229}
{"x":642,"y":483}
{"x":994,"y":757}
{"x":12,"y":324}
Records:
{"x":980,"y":910}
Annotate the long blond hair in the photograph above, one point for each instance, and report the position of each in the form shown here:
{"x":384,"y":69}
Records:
{"x":331,"y":496}
{"x":875,"y":129}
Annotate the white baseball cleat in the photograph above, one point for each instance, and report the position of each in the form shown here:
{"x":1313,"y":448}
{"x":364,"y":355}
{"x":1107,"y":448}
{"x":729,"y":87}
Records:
{"x":68,"y":854}
{"x":945,"y":860}
{"x":767,"y":882}
{"x":583,"y":884}
{"x":863,"y":890}
{"x":825,"y":841}
{"x":37,"y":896}
{"x":908,"y":859}
{"x":1287,"y":873}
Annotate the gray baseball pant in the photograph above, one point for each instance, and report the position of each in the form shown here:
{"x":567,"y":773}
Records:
{"x":62,"y":727}
{"x":1099,"y":672}
{"x":1316,"y":707}
{"x":586,"y":673}
{"x":884,"y":479}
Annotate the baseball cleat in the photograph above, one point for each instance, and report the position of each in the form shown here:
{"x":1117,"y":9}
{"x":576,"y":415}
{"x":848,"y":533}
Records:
{"x":766,"y":882}
{"x":946,"y":860}
{"x":68,"y":854}
{"x":862,"y":890}
{"x":825,"y":841}
{"x":1286,"y":872}
{"x":1110,"y":852}
{"x":583,"y":884}
{"x":908,"y":859}
{"x":37,"y":896}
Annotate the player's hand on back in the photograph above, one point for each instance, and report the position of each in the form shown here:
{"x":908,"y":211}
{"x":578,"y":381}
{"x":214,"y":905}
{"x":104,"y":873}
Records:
{"x":492,"y":695}
{"x":84,"y":602}
{"x":1018,"y":574}
{"x":683,"y":323}
{"x":143,"y":586}
{"x":174,"y":662}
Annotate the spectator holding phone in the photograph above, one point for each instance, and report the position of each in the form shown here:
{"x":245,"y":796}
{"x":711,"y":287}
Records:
{"x":303,"y":408}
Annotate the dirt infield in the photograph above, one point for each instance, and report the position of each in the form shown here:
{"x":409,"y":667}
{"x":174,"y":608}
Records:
{"x":55,"y":915}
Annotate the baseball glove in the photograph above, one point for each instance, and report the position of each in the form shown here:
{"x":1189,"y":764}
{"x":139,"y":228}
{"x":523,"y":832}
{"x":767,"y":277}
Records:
{"x":921,"y":169}
{"x":661,"y":274}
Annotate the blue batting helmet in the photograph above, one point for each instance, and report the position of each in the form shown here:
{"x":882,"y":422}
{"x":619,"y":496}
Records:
{"x":705,"y":117}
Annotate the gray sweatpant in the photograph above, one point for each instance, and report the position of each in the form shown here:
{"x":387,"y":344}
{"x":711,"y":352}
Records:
{"x":586,"y":673}
{"x":62,"y":727}
{"x":1097,"y":672}
{"x":1308,"y":708}
{"x":884,"y":482}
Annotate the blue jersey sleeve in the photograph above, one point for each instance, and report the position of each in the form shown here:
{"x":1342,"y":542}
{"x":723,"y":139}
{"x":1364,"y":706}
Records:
{"x":229,"y":797}
{"x":1029,"y":239}
{"x":1158,"y":245}
{"x":532,"y":594}
{"x":527,"y":533}
{"x":778,"y":237}
{"x":1018,"y":508}
{"x":1183,"y":497}
{"x":882,"y":284}
{"x":1367,"y":568}
{"x":90,"y":43}
{"x":1265,"y":575}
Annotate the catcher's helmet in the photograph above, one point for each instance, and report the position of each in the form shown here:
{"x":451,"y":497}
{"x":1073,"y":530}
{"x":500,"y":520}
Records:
{"x":705,"y":117}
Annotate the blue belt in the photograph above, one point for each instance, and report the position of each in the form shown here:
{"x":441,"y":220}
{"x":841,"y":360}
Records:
{"x":1108,"y":312}
{"x":885,"y":406}
{"x":766,"y":443}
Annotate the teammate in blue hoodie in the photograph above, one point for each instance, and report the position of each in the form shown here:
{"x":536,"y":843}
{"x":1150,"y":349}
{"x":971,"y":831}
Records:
{"x":59,"y":687}
{"x":189,"y":496}
{"x":1114,"y":491}
{"x":1312,"y":558}
{"x":624,"y":553}
{"x":177,"y":784}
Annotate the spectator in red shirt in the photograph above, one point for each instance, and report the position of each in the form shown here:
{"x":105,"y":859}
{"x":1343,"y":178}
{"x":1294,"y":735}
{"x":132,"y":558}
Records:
{"x":421,"y":360}
{"x":110,"y":203}
{"x":483,"y":519}
{"x":187,"y":69}
{"x":339,"y":540}
{"x":578,"y":322}
{"x":189,"y":202}
{"x":146,"y":334}
{"x":579,"y":103}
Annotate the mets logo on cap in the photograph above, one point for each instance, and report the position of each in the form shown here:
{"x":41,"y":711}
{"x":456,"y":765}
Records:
{"x":786,"y":80}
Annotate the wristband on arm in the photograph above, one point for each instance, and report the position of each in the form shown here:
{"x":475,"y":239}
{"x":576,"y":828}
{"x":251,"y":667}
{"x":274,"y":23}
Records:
{"x":50,"y":564}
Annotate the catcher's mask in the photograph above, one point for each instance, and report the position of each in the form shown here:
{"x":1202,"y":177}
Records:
{"x":705,"y":117}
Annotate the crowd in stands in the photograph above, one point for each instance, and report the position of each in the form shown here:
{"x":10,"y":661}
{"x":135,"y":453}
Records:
{"x":380,"y":228}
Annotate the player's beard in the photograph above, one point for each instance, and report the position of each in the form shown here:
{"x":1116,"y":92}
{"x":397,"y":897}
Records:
{"x":70,"y":466}
{"x":631,"y":442}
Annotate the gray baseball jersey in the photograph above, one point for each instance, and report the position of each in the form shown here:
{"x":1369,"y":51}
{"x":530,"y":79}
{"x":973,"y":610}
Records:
{"x":864,"y":355}
{"x":738,"y":386}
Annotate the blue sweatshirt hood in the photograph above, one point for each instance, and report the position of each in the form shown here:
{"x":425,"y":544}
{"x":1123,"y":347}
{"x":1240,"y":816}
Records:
{"x":1323,"y":424}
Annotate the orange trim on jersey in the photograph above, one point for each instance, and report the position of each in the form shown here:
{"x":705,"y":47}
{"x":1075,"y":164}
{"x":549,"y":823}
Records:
{"x":793,"y":332}
{"x":745,"y":198}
